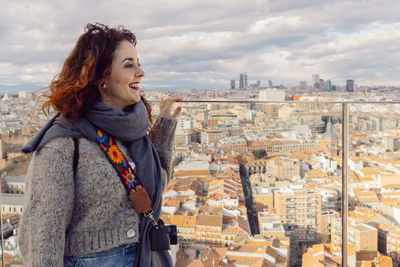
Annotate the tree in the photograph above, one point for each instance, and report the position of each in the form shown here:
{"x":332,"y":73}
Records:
{"x":259,"y":153}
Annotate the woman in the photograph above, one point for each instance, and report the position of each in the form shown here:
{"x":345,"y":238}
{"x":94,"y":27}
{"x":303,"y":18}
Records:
{"x":77,"y":210}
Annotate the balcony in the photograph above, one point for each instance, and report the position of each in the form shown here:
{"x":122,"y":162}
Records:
{"x":330,"y":148}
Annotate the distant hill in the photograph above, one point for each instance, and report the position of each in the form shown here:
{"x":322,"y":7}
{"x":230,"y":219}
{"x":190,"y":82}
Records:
{"x":14,"y":89}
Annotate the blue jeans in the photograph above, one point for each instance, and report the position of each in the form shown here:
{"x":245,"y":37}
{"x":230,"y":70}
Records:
{"x":121,"y":256}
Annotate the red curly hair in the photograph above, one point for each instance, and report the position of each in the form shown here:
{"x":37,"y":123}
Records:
{"x":76,"y":87}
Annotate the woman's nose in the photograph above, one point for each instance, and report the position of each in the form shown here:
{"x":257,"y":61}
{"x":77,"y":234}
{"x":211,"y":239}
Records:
{"x":139,"y":72}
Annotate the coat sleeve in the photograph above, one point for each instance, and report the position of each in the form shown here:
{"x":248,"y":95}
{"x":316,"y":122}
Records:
{"x":49,"y":200}
{"x":162,"y":135}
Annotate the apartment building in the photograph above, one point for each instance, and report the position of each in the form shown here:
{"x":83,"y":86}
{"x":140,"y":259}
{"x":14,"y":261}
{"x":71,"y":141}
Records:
{"x":329,"y":254}
{"x":255,"y":255}
{"x":272,"y":229}
{"x":393,"y":245}
{"x":363,"y":236}
{"x":14,"y":184}
{"x":300,"y":212}
{"x":12,"y":203}
{"x":281,"y":167}
{"x":185,"y":225}
{"x":230,"y":234}
{"x":208,"y":230}
{"x":281,"y":146}
{"x":263,"y":198}
{"x":215,"y":186}
{"x":233,"y":144}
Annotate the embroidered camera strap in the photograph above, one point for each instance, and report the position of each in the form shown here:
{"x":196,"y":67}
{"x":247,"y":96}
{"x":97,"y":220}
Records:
{"x":136,"y":192}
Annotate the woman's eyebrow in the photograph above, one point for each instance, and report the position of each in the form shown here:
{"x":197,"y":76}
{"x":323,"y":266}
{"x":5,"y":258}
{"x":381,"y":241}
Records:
{"x":127,"y":59}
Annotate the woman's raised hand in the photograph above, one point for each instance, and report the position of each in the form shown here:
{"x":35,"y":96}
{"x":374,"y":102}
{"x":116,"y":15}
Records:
{"x":166,"y":106}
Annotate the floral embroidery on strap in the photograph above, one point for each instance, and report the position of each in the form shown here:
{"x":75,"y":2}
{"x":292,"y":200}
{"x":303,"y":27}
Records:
{"x":118,"y":160}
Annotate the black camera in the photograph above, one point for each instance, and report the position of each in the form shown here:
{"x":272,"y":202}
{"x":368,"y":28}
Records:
{"x":162,"y":236}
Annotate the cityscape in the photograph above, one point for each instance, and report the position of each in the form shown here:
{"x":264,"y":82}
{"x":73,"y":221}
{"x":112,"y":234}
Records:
{"x":257,"y":177}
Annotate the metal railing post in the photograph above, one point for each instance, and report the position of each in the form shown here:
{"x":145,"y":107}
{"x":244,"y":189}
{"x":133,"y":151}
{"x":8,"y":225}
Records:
{"x":1,"y":229}
{"x":345,"y":205}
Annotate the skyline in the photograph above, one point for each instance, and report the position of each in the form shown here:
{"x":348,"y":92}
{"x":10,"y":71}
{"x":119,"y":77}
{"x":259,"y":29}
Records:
{"x":206,"y":44}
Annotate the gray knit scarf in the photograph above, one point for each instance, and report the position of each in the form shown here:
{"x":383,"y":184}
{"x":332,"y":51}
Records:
{"x":129,"y":126}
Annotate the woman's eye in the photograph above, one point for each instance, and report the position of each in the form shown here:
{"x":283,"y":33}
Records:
{"x":131,"y":65}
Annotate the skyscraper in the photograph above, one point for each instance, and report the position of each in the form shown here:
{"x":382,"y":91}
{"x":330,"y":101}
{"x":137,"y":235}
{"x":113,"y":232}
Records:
{"x":328,"y":85}
{"x":315,"y":81}
{"x":241,"y":81}
{"x":245,"y":79}
{"x":233,"y":84}
{"x":303,"y":84}
{"x":349,"y":85}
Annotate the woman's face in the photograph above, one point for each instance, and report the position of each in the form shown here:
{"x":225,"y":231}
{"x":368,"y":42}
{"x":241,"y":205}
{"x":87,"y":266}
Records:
{"x":121,"y":88}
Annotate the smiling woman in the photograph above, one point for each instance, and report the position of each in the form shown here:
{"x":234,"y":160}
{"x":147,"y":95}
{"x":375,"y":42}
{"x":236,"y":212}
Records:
{"x":121,"y":88}
{"x":98,"y":170}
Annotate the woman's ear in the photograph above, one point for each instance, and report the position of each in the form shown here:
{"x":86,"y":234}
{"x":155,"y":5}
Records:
{"x":102,"y":86}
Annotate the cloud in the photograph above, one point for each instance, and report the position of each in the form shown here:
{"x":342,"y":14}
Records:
{"x":205,"y":44}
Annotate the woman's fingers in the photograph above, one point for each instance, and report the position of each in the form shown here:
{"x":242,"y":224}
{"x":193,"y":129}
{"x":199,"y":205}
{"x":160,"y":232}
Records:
{"x":166,"y":106}
{"x":177,"y":111}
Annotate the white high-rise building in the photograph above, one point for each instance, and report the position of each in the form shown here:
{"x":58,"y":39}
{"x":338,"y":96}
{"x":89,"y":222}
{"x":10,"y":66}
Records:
{"x":24,"y":95}
{"x":315,"y":80}
{"x":272,"y":95}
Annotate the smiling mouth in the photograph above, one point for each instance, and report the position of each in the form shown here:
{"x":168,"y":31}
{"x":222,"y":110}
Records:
{"x":134,"y":86}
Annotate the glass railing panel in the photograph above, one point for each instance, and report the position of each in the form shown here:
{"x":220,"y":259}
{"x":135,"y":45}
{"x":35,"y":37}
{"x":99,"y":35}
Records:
{"x":285,"y":163}
{"x":257,"y":178}
{"x":373,"y":183}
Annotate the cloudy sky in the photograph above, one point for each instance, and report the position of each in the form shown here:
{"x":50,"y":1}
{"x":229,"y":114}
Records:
{"x":205,"y":44}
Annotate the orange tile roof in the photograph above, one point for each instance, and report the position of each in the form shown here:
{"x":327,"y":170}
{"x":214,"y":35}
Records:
{"x":245,"y":261}
{"x":209,"y":220}
{"x":374,"y":170}
{"x":320,"y":253}
{"x":317,"y":173}
{"x":184,"y":221}
{"x":368,"y":199}
{"x":363,"y":213}
{"x":231,"y":230}
{"x":172,"y":203}
{"x":191,"y":173}
{"x":364,"y":193}
{"x":248,"y":248}
{"x":366,"y":179}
